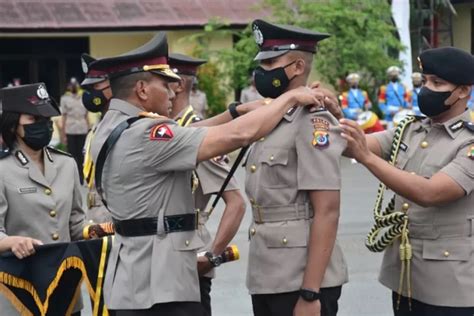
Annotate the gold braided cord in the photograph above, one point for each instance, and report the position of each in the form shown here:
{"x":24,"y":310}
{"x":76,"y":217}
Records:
{"x":389,"y":223}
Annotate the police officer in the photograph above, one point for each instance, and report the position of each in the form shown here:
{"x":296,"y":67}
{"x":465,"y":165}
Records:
{"x":295,"y":266}
{"x":147,"y":166}
{"x":393,"y":97}
{"x":356,"y":100}
{"x":95,"y":98}
{"x":433,"y":179}
{"x":40,"y":197}
{"x":417,"y":81}
{"x":211,"y":174}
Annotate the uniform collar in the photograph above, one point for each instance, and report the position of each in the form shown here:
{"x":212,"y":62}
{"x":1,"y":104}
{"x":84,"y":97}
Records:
{"x":124,"y":107}
{"x":453,"y":126}
{"x":34,"y":172}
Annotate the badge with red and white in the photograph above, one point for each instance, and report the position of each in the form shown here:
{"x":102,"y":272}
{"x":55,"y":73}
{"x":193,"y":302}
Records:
{"x":320,"y":139}
{"x":161,"y":132}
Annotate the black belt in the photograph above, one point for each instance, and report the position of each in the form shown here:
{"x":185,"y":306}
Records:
{"x":148,"y":225}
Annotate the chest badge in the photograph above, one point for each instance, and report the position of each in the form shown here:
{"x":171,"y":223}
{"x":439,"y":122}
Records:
{"x":320,"y":133}
{"x":470,"y":153}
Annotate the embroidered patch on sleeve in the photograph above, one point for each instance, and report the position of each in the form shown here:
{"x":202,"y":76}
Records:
{"x":161,"y":132}
{"x":470,"y":153}
{"x":320,"y":134}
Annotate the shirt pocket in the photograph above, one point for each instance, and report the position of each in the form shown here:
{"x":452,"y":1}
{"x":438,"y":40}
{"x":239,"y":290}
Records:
{"x":186,"y":241}
{"x":274,"y":173}
{"x":286,"y":237}
{"x":449,"y":249}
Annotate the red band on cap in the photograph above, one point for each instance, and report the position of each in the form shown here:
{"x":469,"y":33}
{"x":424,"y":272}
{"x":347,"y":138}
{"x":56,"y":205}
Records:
{"x":137,"y":64}
{"x":184,"y":69}
{"x":279,"y":42}
{"x":96,"y":73}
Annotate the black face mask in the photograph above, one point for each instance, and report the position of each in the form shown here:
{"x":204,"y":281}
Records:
{"x":94,"y":100}
{"x":394,"y":79}
{"x":431,"y":102}
{"x":272,"y":83}
{"x":38,"y":134}
{"x":354,"y":86}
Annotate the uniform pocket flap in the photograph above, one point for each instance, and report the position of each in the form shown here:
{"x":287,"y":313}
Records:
{"x":188,"y":240}
{"x":274,"y":156}
{"x":286,"y":237}
{"x":453,"y":249}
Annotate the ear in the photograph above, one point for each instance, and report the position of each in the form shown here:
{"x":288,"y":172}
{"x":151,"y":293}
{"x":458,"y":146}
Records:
{"x":464,"y":92}
{"x":141,"y":90}
{"x":299,"y":66}
{"x":180,"y":87}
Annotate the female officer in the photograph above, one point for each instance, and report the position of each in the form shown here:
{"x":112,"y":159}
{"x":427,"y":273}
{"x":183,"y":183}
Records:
{"x":40,"y":199}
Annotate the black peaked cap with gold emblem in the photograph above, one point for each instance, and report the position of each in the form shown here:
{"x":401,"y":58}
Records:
{"x":28,"y":99}
{"x":92,"y":74}
{"x":275,"y":40}
{"x":152,"y":57}
{"x":449,"y":63}
{"x":185,"y":65}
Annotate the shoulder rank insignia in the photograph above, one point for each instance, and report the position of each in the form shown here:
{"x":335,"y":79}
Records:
{"x":20,"y":156}
{"x":469,"y":126}
{"x":161,"y":132}
{"x":470,"y":153}
{"x":57,"y":151}
{"x":150,"y":115}
{"x":4,"y":153}
{"x":456,"y":126}
{"x":321,"y":132}
{"x":291,"y":111}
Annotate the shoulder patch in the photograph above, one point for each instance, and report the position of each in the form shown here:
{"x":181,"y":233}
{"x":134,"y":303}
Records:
{"x":4,"y":153}
{"x":470,"y":153}
{"x":161,"y":132}
{"x":58,"y":151}
{"x":469,"y":126}
{"x":320,"y":133}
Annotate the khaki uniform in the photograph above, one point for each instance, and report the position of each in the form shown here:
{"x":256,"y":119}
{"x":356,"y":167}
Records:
{"x":46,"y":207}
{"x":71,"y":106}
{"x":199,"y":101}
{"x":149,"y":176}
{"x":281,"y":168}
{"x":250,"y":94}
{"x":442,"y":237}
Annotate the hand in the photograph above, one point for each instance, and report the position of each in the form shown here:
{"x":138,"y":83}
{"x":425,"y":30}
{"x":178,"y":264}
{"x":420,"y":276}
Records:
{"x":23,"y":247}
{"x":356,"y":143}
{"x":245,"y":108}
{"x":304,"y":308}
{"x":304,"y":96}
{"x":330,"y":100}
{"x":204,"y":266}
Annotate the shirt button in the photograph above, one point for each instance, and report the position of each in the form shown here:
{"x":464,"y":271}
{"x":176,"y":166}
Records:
{"x":284,"y":241}
{"x":405,"y":206}
{"x":186,"y":243}
{"x":424,"y":144}
{"x":48,"y":191}
{"x":446,"y":253}
{"x":262,"y":139}
{"x":52,"y":213}
{"x":253,"y":231}
{"x":55,"y":236}
{"x":253,"y":168}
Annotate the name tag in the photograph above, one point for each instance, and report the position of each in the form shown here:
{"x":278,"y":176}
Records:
{"x":27,"y":190}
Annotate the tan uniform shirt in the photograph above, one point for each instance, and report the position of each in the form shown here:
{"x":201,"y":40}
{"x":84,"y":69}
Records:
{"x":148,"y":174}
{"x":281,"y":169}
{"x":442,"y":237}
{"x":199,"y":101}
{"x":46,"y":207}
{"x":76,"y":114}
{"x":250,"y":94}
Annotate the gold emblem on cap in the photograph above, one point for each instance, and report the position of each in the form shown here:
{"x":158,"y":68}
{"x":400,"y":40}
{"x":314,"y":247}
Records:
{"x":420,"y":65}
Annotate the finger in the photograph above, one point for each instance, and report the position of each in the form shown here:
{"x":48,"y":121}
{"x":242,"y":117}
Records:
{"x":30,"y":247}
{"x":17,"y":254}
{"x":37,"y":242}
{"x":315,"y":84}
{"x":348,"y":122}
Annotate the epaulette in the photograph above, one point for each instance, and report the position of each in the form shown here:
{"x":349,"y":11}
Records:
{"x":58,"y":151}
{"x":469,"y":126}
{"x":4,"y":153}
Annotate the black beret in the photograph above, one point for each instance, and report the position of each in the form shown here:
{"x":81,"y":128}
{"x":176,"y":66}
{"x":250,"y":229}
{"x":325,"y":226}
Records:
{"x":28,"y":99}
{"x":449,"y":63}
{"x":184,"y":65}
{"x":275,"y":40}
{"x":152,"y":57}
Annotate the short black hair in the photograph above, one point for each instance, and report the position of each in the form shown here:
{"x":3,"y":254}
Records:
{"x":122,"y":86}
{"x":8,"y":125}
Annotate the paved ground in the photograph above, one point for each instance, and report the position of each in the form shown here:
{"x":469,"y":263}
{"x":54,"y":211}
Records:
{"x":362,"y":296}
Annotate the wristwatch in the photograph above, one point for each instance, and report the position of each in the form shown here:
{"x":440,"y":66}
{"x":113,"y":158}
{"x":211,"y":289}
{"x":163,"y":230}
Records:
{"x":309,"y":295}
{"x":233,"y":109}
{"x":214,"y":260}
